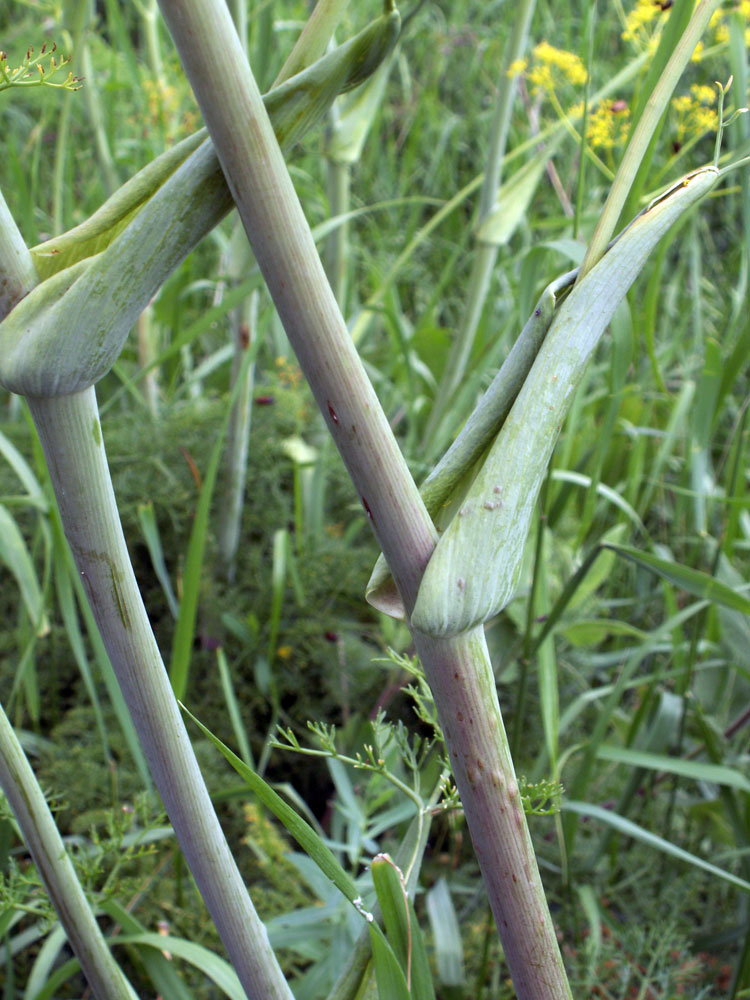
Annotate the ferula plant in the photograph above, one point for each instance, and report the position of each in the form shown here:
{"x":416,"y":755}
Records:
{"x":454,"y":553}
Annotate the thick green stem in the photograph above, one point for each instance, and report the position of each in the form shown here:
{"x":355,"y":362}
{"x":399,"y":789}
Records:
{"x":43,"y":840}
{"x":71,"y":436}
{"x":460,"y":675}
{"x":458,"y":669}
{"x":284,"y":248}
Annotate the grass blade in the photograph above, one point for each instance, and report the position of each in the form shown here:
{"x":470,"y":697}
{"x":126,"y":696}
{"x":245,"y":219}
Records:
{"x":630,"y":829}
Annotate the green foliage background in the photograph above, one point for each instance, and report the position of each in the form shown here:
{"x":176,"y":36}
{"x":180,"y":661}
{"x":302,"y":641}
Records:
{"x":654,"y":454}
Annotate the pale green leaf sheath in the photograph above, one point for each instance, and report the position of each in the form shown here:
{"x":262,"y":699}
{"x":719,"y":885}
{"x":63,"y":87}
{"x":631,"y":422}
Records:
{"x":474,"y":569}
{"x":444,"y":482}
{"x":67,"y":332}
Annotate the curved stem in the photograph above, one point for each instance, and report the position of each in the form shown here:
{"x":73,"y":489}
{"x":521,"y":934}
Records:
{"x":43,"y":840}
{"x":17,"y":272}
{"x":71,"y":436}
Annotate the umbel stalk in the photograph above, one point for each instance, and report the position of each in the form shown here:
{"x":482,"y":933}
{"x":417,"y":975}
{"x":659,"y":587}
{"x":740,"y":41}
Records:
{"x":458,"y":669}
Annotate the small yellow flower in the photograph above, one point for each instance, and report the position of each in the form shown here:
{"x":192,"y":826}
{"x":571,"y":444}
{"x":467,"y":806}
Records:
{"x":696,"y":112}
{"x":641,"y":21}
{"x":284,"y":652}
{"x":553,"y":67}
{"x":721,"y":33}
{"x":608,"y":125}
{"x":517,"y":67}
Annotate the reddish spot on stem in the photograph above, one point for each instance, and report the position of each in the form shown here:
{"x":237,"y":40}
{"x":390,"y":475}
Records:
{"x":335,"y":419}
{"x":244,"y":333}
{"x":366,"y":505}
{"x":264,"y":400}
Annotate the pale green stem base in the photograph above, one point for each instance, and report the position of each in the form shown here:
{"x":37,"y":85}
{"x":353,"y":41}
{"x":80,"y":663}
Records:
{"x":460,"y":676}
{"x":71,"y":436}
{"x":43,"y":840}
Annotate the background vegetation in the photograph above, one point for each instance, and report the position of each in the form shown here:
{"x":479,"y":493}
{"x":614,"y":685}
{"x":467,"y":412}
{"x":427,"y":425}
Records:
{"x":636,"y":697}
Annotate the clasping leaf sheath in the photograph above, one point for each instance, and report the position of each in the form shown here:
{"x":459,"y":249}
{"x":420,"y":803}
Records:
{"x":69,"y":330}
{"x":441,"y":488}
{"x":474,"y":570}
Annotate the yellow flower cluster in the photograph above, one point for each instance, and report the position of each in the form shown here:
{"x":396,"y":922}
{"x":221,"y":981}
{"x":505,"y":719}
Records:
{"x":165,"y":108}
{"x":608,"y":125}
{"x":550,"y":68}
{"x":719,"y":26}
{"x":696,"y":112}
{"x":641,"y":22}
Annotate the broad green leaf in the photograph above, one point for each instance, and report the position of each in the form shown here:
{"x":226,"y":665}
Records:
{"x":160,"y":970}
{"x":718,"y":774}
{"x":388,"y":973}
{"x":211,"y":965}
{"x":630,"y":829}
{"x":513,"y":200}
{"x":593,"y":631}
{"x":446,"y":935}
{"x":401,"y":927}
{"x":15,"y":555}
{"x":692,"y":580}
